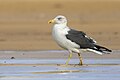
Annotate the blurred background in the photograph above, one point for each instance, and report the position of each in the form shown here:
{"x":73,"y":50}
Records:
{"x":23,"y":23}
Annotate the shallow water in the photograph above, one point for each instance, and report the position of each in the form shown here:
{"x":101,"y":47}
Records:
{"x":54,"y":69}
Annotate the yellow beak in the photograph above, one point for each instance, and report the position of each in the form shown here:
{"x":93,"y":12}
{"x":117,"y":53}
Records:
{"x":51,"y":21}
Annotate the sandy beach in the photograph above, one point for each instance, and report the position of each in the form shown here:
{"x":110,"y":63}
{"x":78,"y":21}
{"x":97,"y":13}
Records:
{"x":23,"y":23}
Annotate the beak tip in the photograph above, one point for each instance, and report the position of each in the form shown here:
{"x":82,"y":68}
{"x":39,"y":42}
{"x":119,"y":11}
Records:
{"x":51,"y":21}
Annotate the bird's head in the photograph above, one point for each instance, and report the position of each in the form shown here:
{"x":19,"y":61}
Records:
{"x":58,"y":20}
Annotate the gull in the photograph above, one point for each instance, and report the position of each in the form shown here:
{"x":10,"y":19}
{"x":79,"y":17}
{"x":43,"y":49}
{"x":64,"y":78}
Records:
{"x":74,"y":40}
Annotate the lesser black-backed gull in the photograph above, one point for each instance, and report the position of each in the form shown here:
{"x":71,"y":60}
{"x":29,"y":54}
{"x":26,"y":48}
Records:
{"x":73,"y":40}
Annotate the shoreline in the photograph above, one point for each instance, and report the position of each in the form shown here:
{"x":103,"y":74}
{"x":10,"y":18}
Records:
{"x":54,"y":54}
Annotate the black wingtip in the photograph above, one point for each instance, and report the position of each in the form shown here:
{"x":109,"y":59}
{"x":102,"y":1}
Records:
{"x":109,"y":50}
{"x":101,"y":48}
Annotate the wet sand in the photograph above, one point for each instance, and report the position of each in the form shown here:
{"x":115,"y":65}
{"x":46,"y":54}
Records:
{"x":50,"y":65}
{"x":54,"y":54}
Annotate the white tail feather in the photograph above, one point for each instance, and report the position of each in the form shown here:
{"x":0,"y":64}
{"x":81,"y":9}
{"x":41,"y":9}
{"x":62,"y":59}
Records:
{"x":91,"y":50}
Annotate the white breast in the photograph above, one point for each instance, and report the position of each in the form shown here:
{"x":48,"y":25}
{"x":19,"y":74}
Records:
{"x":59,"y":33}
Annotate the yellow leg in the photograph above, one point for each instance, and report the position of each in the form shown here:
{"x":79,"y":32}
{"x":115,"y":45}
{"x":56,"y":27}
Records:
{"x":70,"y":55}
{"x":80,"y":58}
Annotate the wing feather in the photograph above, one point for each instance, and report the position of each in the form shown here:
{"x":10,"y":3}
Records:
{"x":79,"y":37}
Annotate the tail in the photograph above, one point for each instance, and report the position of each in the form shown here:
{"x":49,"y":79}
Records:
{"x":100,"y":50}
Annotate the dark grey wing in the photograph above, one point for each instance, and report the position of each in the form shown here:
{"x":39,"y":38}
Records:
{"x":80,"y":38}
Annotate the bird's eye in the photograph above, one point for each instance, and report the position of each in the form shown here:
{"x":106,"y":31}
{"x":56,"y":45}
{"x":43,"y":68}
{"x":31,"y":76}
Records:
{"x":59,"y":18}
